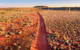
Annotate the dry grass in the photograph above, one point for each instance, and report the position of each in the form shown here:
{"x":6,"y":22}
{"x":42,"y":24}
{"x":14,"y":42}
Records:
{"x":9,"y":13}
{"x":18,"y":38}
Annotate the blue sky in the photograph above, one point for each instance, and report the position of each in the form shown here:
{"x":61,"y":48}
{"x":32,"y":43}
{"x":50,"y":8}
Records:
{"x":31,"y":3}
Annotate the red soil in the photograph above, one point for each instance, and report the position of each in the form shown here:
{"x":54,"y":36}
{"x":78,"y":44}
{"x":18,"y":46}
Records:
{"x":40,"y":42}
{"x":27,"y":30}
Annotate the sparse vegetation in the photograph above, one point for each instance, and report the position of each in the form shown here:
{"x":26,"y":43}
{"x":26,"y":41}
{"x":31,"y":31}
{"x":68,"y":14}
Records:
{"x":17,"y":32}
{"x":2,"y":12}
{"x":63,"y":28}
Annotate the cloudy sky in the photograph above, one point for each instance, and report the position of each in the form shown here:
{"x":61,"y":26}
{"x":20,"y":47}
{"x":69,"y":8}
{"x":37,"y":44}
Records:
{"x":31,"y":3}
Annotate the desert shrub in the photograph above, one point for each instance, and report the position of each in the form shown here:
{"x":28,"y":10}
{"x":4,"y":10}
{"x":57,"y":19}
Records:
{"x":2,"y":12}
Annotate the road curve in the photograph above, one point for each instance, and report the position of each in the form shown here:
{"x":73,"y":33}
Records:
{"x":40,"y":42}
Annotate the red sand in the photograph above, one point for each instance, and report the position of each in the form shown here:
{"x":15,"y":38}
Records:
{"x":40,"y":42}
{"x":6,"y":26}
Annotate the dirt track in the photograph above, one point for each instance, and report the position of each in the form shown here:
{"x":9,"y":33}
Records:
{"x":40,"y":42}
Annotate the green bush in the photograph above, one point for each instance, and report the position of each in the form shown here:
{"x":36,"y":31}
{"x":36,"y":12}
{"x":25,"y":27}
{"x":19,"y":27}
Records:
{"x":2,"y":13}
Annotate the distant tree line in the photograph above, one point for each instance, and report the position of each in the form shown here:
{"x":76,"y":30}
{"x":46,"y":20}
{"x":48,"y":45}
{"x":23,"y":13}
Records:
{"x":57,"y":8}
{"x":40,"y":6}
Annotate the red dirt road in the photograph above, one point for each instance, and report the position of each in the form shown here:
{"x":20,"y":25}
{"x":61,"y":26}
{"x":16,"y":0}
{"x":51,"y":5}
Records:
{"x":40,"y":42}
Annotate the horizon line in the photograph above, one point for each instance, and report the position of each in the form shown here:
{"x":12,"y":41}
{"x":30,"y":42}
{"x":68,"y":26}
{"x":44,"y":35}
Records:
{"x":33,"y":6}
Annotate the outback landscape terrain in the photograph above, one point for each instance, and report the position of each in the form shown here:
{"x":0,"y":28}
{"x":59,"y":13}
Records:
{"x":18,"y":28}
{"x":6,"y":13}
{"x":63,"y":28}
